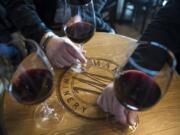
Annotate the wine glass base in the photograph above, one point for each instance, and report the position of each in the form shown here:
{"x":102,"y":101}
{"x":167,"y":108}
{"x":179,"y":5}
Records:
{"x":123,"y":129}
{"x":48,"y":115}
{"x":78,"y":68}
{"x":131,"y":129}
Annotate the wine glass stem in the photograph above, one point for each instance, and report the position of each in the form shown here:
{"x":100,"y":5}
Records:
{"x":81,"y":48}
{"x":47,"y":110}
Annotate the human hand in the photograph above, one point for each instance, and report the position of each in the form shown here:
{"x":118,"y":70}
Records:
{"x":62,"y":52}
{"x":109,"y":103}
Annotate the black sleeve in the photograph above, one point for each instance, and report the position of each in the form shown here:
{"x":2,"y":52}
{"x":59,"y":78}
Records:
{"x":101,"y":25}
{"x":24,"y":16}
{"x":165,"y":28}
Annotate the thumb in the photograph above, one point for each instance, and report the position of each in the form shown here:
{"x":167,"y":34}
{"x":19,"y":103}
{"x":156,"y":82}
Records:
{"x":132,"y":117}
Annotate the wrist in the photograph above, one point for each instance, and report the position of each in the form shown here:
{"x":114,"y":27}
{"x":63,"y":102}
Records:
{"x":45,"y":39}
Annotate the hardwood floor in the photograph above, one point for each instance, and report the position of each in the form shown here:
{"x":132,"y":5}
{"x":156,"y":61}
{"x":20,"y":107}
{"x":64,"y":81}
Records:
{"x":127,"y":30}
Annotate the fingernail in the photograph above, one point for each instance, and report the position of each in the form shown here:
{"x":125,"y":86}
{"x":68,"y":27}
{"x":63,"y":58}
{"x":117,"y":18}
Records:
{"x":98,"y":100}
{"x":133,"y":121}
{"x":84,"y":61}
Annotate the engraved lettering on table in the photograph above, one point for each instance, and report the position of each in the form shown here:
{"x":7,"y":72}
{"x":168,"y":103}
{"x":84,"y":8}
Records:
{"x":70,"y":99}
{"x":99,"y":63}
{"x":66,"y":83}
{"x":95,"y":62}
{"x":84,"y":109}
{"x":76,"y":105}
{"x":67,"y":93}
{"x":79,"y":92}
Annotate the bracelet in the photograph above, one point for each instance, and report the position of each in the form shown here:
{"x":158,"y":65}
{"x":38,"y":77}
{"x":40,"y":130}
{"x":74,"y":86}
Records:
{"x":45,"y":39}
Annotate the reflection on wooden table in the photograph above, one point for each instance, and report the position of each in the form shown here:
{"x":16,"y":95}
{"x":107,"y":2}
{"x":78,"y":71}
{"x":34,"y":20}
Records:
{"x":78,"y":93}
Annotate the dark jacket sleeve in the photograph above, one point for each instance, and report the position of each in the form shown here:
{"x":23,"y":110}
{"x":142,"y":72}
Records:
{"x":165,"y":28}
{"x":101,"y":25}
{"x":24,"y":16}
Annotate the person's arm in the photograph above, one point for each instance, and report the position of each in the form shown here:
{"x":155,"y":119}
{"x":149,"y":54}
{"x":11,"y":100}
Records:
{"x":24,"y":16}
{"x":165,"y":28}
{"x":60,"y":51}
{"x":101,"y":25}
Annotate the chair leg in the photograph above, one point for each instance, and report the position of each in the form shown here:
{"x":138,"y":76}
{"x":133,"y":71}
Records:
{"x":144,"y":21}
{"x":123,"y":12}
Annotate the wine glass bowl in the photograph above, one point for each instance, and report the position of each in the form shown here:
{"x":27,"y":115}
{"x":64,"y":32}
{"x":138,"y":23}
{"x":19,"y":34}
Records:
{"x":33,"y":79}
{"x":85,"y":32}
{"x":138,"y":90}
{"x":144,"y":80}
{"x":29,"y":80}
{"x":79,"y":25}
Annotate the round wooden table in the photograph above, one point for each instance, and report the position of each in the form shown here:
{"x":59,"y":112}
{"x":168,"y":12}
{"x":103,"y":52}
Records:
{"x":78,"y":93}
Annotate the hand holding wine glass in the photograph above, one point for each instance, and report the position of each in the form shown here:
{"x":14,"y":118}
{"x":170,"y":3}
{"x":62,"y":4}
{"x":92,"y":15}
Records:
{"x":141,"y":83}
{"x":62,"y":52}
{"x":79,"y":25}
{"x":109,"y":103}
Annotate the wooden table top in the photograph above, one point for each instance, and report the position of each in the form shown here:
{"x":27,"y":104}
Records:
{"x":82,"y":116}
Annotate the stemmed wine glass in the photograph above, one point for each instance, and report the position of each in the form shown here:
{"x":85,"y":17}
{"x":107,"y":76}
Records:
{"x":145,"y":79}
{"x":79,"y":25}
{"x":28,"y":77}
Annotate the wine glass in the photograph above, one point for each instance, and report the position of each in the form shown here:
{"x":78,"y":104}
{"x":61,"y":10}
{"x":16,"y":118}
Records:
{"x":79,"y":25}
{"x":145,"y":79}
{"x":28,"y":78}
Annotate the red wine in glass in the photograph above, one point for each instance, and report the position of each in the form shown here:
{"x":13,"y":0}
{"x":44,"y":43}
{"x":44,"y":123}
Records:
{"x":32,"y":86}
{"x":28,"y":77}
{"x":136,"y":90}
{"x":80,"y":32}
{"x":79,"y":26}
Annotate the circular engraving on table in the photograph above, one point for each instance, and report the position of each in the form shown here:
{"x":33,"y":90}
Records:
{"x":79,"y":91}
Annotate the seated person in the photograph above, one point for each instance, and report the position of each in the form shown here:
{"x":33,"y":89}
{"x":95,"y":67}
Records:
{"x":165,"y":29}
{"x":34,"y":20}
